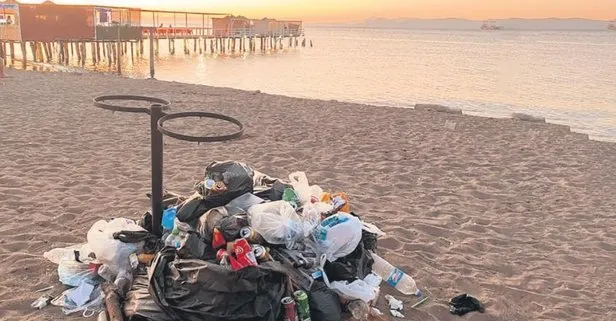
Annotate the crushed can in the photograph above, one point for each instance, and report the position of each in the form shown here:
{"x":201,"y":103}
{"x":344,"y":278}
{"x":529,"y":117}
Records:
{"x":42,"y":302}
{"x":251,"y":235}
{"x":221,"y":254}
{"x":261,"y":253}
{"x":244,"y":256}
{"x":289,"y":309}
{"x":303,"y":307}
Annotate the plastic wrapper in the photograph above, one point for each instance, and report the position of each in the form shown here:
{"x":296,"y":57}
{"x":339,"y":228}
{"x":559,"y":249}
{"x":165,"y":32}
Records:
{"x":277,"y":222}
{"x":338,"y":235}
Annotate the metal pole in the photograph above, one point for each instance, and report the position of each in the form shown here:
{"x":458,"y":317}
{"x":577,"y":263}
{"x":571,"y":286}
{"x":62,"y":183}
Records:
{"x":119,"y":45}
{"x":156,"y":112}
{"x":152,"y":53}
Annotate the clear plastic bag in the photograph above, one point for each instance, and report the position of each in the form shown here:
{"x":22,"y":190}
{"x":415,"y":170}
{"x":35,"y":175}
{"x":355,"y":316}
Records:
{"x":72,"y":272}
{"x":357,"y":289}
{"x":94,"y":305}
{"x":311,"y":215}
{"x":277,"y":222}
{"x":108,"y":250}
{"x":338,"y":235}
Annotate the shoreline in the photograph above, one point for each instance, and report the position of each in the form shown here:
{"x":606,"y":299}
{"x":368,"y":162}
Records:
{"x":516,"y":213}
{"x":522,"y":116}
{"x":494,"y":115}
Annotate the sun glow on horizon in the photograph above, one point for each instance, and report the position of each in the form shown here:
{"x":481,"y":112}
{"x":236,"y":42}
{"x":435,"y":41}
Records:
{"x":356,"y":10}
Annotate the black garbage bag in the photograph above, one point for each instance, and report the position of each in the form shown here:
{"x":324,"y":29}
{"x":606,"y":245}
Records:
{"x":273,"y":193}
{"x":151,"y":242}
{"x":196,"y":290}
{"x":230,"y":226}
{"x":235,"y":179}
{"x":369,"y":240}
{"x":356,"y":265}
{"x":324,"y":303}
{"x":465,"y":303}
{"x":191,"y":210}
{"x":194,"y":247}
{"x":139,"y":304}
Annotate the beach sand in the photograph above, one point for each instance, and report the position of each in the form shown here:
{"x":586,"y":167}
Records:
{"x":519,"y":214}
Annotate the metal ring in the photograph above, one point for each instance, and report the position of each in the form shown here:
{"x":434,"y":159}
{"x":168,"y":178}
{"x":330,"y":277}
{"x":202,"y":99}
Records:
{"x":199,"y":114}
{"x":99,"y":102}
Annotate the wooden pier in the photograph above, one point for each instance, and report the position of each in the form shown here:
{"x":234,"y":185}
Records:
{"x":107,"y":35}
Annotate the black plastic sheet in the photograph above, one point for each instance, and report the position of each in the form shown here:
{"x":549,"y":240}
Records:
{"x":324,"y":303}
{"x":196,"y":290}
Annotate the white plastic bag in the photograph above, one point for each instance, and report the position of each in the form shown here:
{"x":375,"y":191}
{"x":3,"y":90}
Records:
{"x":305,"y":193}
{"x":276,"y":221}
{"x":57,"y":254}
{"x":371,"y":228}
{"x":315,"y":193}
{"x":338,"y":235}
{"x":108,"y":250}
{"x":299,"y":181}
{"x":373,"y":279}
{"x":357,"y":289}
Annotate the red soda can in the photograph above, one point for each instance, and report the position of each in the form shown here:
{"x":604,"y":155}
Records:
{"x":244,"y":254}
{"x":290,"y":314}
{"x":220,"y":254}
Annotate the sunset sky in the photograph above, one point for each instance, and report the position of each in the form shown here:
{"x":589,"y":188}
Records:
{"x":355,"y":10}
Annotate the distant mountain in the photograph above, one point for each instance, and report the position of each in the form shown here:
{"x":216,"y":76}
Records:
{"x":465,"y":24}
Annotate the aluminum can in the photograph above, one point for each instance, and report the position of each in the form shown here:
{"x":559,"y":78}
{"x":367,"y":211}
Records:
{"x":289,"y":309}
{"x":303,"y":307}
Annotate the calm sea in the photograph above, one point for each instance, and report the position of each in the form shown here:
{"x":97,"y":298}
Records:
{"x":568,"y":77}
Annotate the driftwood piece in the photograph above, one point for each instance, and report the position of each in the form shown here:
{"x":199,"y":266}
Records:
{"x":112,"y":302}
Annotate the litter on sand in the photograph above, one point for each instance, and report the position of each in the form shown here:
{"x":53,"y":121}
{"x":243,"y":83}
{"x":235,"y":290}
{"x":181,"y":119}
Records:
{"x":271,"y":249}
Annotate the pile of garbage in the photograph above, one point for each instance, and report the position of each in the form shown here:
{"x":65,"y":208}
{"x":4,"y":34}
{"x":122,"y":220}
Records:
{"x":244,"y":246}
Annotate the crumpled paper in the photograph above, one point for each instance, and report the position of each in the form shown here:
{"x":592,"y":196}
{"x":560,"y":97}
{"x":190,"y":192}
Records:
{"x":394,"y":304}
{"x":396,"y":314}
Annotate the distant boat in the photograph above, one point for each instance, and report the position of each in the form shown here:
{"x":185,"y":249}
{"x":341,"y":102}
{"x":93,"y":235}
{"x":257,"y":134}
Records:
{"x":490,"y":25}
{"x":612,"y":26}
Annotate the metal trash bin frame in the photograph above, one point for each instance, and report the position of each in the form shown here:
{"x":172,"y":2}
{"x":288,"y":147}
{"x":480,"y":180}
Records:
{"x":157,"y":119}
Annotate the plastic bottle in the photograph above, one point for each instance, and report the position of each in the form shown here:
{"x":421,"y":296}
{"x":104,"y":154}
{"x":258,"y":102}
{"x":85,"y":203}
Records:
{"x":124,"y":281}
{"x":105,"y":272}
{"x":174,"y":239}
{"x":359,"y":309}
{"x":394,"y":276}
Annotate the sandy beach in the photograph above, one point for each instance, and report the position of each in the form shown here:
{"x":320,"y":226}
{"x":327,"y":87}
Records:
{"x":519,"y":214}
